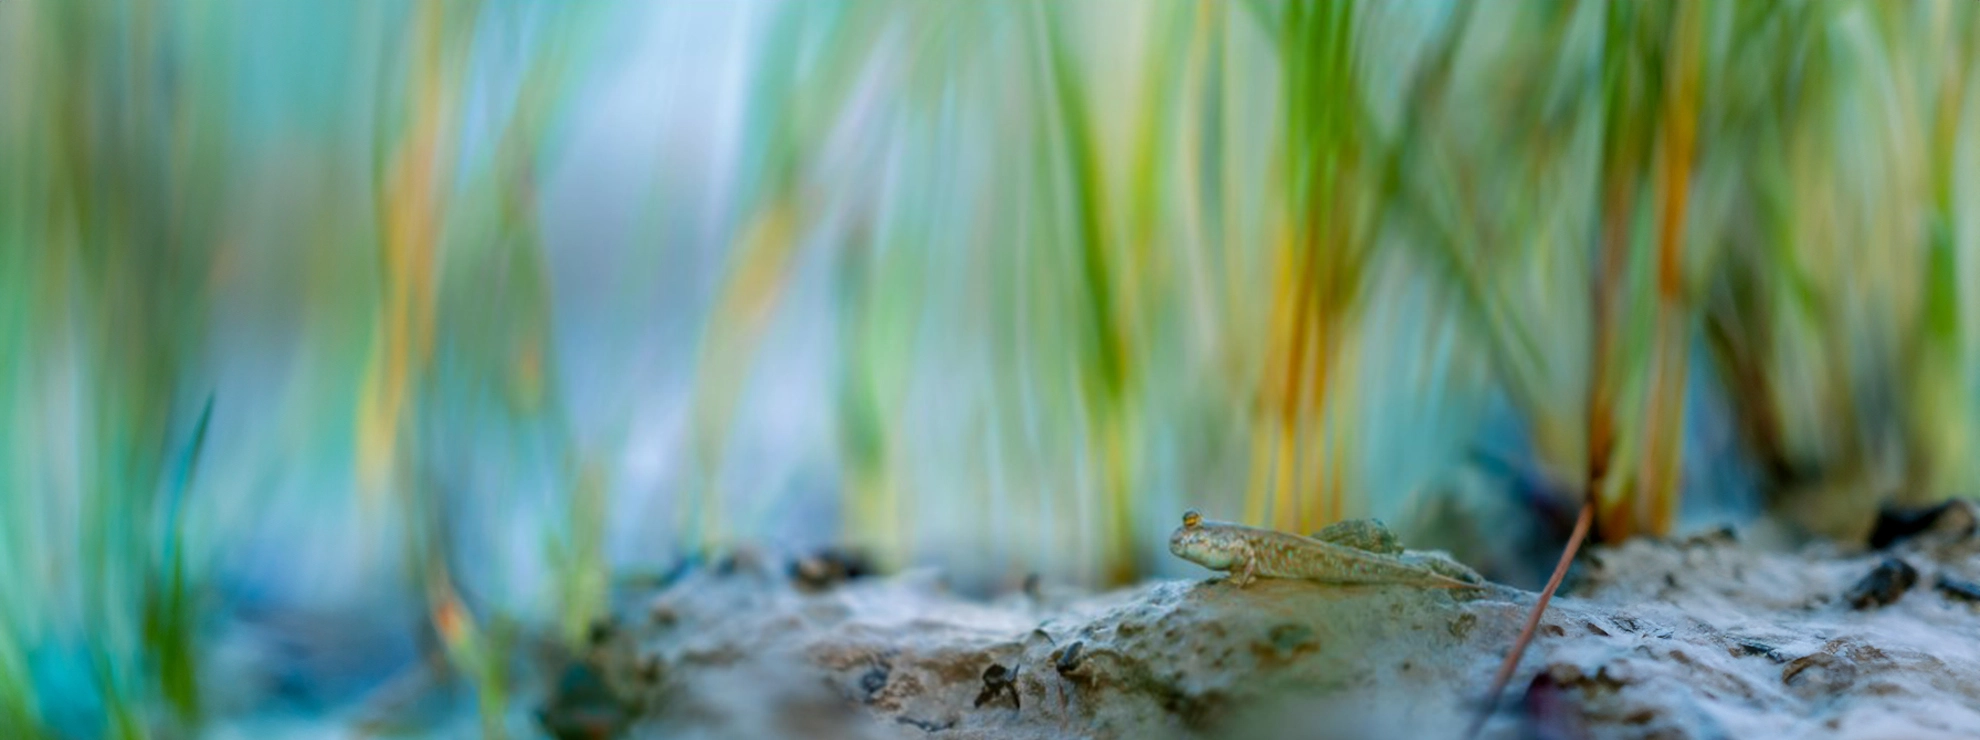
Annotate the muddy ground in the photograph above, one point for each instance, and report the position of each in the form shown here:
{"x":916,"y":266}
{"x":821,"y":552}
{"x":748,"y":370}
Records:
{"x":1704,"y":637}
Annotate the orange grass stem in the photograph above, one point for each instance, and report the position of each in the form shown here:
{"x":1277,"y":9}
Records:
{"x":1533,"y":619}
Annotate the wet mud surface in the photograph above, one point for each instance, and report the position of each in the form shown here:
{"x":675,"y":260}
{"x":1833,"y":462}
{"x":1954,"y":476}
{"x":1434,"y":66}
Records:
{"x":1703,"y":637}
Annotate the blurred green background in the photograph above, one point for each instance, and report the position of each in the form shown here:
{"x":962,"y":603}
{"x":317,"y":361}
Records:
{"x":379,"y":330}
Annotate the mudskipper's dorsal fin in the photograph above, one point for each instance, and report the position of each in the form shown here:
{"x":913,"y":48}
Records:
{"x":1361,"y":534}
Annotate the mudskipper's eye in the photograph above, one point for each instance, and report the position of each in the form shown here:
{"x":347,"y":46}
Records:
{"x":1191,"y":518}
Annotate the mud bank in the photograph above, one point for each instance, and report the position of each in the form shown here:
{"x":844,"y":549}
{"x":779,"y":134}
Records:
{"x":1705,"y":637}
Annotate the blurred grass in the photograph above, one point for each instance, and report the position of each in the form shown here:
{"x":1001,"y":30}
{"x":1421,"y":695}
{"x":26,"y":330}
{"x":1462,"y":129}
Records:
{"x":997,"y":286}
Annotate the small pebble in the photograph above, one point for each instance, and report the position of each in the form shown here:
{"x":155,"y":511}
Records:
{"x":829,"y":567}
{"x":1724,"y":534}
{"x":1744,"y":646}
{"x":1897,"y":524}
{"x":873,"y":681}
{"x":998,"y":680}
{"x":1957,"y":589}
{"x":1818,"y":674}
{"x":1884,"y":585}
{"x":1069,"y":658}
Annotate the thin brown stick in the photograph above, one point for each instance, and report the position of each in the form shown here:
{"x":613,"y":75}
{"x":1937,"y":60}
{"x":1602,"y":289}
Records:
{"x":1533,"y":620}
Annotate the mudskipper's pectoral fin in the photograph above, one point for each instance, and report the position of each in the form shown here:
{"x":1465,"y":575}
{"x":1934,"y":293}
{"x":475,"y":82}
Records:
{"x":1243,"y":572}
{"x":1361,"y":534}
{"x":1444,"y":566}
